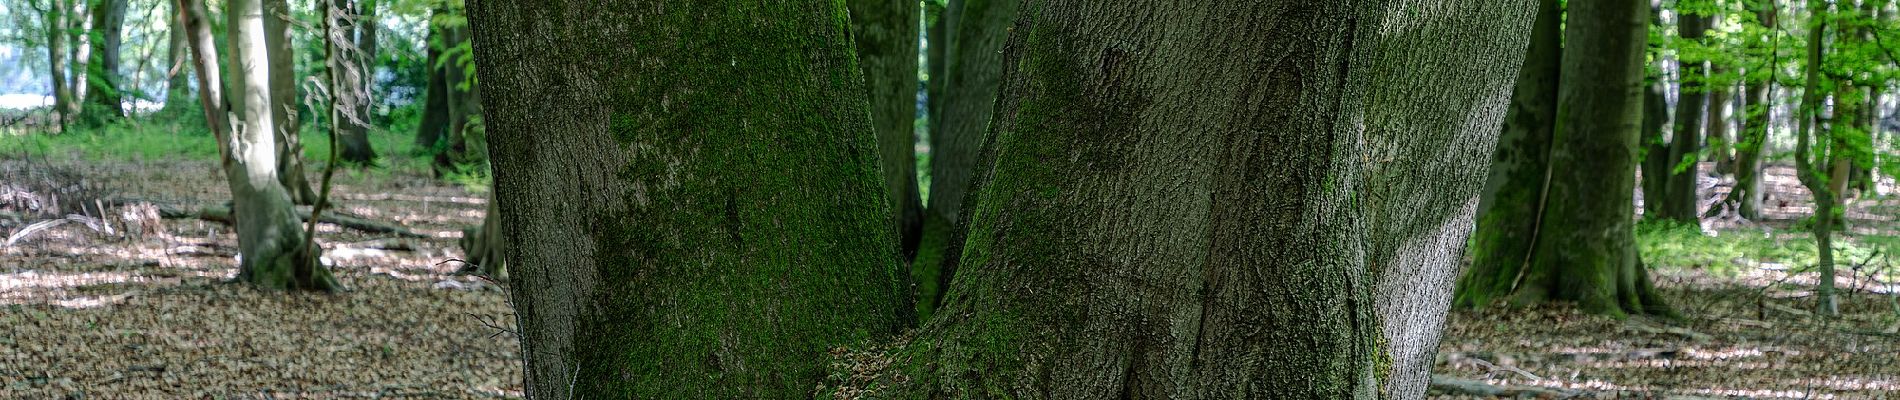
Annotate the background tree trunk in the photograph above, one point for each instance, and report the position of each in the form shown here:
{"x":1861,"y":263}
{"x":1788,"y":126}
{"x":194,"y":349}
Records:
{"x":435,"y":106}
{"x":1808,"y":165}
{"x":56,"y":60}
{"x":973,"y":70}
{"x":1135,"y":232}
{"x":1586,"y":250}
{"x":1717,"y":122}
{"x":108,"y":21}
{"x":1514,"y":195}
{"x":178,"y":67}
{"x":723,"y":222}
{"x":270,"y":239}
{"x":81,"y":38}
{"x":355,"y":135}
{"x":886,"y":35}
{"x":1680,"y":194}
{"x":285,"y":104}
{"x":1757,"y":125}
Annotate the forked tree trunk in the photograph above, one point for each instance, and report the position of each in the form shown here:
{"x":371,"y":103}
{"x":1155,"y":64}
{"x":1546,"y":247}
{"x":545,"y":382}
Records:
{"x":1515,"y":193}
{"x":108,"y":22}
{"x":271,"y":247}
{"x":886,"y":35}
{"x":285,"y":103}
{"x":1246,"y":229}
{"x":723,"y":221}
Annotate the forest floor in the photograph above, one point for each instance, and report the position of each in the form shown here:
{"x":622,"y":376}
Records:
{"x":122,"y":304}
{"x":133,"y":306}
{"x":1745,"y":290}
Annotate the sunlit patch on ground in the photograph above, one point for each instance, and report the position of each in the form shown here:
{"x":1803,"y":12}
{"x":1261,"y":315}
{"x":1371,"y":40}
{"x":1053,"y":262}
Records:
{"x":142,"y":310}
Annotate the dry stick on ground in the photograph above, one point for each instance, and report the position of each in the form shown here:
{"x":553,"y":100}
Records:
{"x":223,"y":215}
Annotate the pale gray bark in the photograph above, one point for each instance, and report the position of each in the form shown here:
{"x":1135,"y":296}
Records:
{"x":270,"y":240}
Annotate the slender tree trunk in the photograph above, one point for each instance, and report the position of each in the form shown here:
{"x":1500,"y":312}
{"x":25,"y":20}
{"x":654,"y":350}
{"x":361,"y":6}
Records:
{"x":1137,"y":232}
{"x":463,"y":103}
{"x":435,"y":106}
{"x":80,"y":33}
{"x":1679,"y":202}
{"x":1717,"y":125}
{"x":886,"y":35}
{"x":933,"y":239}
{"x":1514,"y":195}
{"x":56,"y":26}
{"x":204,"y":55}
{"x":108,"y":22}
{"x":1655,"y":148}
{"x":355,"y":135}
{"x":271,"y":247}
{"x":285,"y":104}
{"x":1808,"y":169}
{"x":1759,"y":116}
{"x":723,"y":221}
{"x":177,"y":70}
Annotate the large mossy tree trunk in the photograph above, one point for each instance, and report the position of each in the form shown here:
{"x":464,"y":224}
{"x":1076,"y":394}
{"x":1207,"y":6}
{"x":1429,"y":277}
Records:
{"x":285,"y":104}
{"x":886,"y":35}
{"x":104,"y":96}
{"x":1585,"y":251}
{"x":1222,"y":200}
{"x":271,"y":248}
{"x":722,"y":220}
{"x":1679,"y":201}
{"x":1514,"y":195}
{"x":356,"y":125}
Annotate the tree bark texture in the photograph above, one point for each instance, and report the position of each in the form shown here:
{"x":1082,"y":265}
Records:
{"x":1758,"y":117}
{"x":974,"y":67}
{"x":886,"y":35}
{"x":270,"y":240}
{"x":285,"y":103}
{"x":690,"y":191}
{"x":1515,"y":193}
{"x":1222,"y":199}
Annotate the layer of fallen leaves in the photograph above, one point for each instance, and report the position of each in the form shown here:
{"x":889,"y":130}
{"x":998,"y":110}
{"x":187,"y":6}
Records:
{"x":136,"y":307}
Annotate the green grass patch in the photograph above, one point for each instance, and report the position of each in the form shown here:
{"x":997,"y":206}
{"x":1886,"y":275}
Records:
{"x":1667,"y":245}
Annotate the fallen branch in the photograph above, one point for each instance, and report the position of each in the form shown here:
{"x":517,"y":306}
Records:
{"x":223,"y":215}
{"x":1468,"y":387}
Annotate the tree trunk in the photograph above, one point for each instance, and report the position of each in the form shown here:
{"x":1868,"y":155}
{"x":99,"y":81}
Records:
{"x":484,"y":247}
{"x":1758,"y":118}
{"x":973,"y":71}
{"x":435,"y":106}
{"x":204,"y":56}
{"x":723,"y":222}
{"x":973,"y":75}
{"x":1680,"y":197}
{"x":285,"y":104}
{"x":886,"y":35}
{"x":81,"y":37}
{"x":56,"y":60}
{"x":1137,"y":232}
{"x":271,"y":247}
{"x":1585,"y":251}
{"x":355,"y":133}
{"x":1717,"y":123}
{"x":1809,"y":165}
{"x":177,"y":70}
{"x":1514,"y":195}
{"x":1655,"y":148}
{"x":463,"y":104}
{"x":937,"y":40}
{"x":108,"y":20}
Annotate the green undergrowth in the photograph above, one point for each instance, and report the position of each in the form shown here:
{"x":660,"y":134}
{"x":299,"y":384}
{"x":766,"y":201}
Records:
{"x":1670,"y":246}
